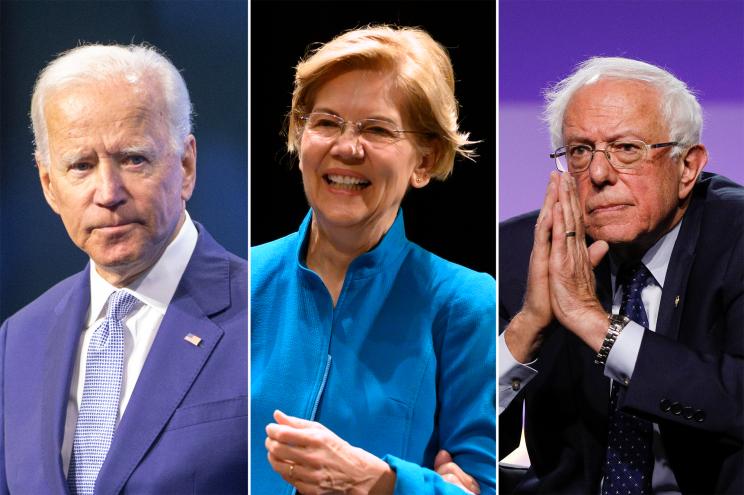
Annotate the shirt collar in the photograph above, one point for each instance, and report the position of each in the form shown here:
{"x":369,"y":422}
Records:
{"x":656,"y":258}
{"x":157,"y":285}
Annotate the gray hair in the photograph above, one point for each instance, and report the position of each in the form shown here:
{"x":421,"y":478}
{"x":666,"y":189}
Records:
{"x":679,"y":106}
{"x":98,"y":63}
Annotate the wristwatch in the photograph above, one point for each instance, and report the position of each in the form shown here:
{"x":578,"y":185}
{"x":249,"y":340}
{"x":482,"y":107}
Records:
{"x":617,"y":323}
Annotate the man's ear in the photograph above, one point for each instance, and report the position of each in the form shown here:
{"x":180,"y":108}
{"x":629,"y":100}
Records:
{"x":188,"y":164}
{"x":692,"y":164}
{"x":46,"y":184}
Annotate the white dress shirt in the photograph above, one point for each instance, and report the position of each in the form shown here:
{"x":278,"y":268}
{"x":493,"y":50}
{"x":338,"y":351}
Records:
{"x":154,"y":290}
{"x":622,"y":357}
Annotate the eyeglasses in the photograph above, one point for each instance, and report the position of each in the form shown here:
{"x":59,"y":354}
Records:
{"x":623,"y":155}
{"x":375,"y":131}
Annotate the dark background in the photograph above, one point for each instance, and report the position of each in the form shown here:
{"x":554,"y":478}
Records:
{"x":206,"y":40}
{"x":455,"y":219}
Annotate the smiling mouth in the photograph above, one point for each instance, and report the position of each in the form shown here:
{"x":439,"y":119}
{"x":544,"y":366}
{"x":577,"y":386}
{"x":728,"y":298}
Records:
{"x":346,"y":182}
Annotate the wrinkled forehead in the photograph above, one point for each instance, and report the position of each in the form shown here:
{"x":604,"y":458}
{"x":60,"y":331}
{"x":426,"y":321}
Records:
{"x":106,"y":100}
{"x":606,"y":103}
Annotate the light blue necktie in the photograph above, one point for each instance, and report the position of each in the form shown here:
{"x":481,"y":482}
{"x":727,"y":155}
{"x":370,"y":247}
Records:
{"x":630,"y":461}
{"x":99,"y":406}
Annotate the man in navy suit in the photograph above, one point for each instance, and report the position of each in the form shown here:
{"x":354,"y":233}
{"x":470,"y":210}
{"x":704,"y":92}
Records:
{"x":130,"y":376}
{"x":647,"y":339}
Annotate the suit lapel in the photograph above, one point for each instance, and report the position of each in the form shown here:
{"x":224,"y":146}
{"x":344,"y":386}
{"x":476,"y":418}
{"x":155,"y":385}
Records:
{"x":173,"y":363}
{"x":60,"y":355}
{"x":680,"y":263}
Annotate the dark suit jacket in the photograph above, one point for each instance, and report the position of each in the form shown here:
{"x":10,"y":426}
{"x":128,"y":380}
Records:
{"x":185,"y":427}
{"x":688,"y":378}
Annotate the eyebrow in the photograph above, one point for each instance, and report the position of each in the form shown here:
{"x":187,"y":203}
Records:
{"x":617,"y":136}
{"x":372,"y":117}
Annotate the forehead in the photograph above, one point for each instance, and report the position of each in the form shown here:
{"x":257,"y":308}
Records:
{"x":612,"y":108}
{"x":91,"y":108}
{"x":360,"y":93}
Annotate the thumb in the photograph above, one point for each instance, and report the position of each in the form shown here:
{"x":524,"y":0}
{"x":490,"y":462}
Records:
{"x":597,"y":251}
{"x":443,"y":457}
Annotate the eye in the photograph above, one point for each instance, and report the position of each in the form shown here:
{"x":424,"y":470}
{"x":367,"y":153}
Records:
{"x":136,"y":159}
{"x":626,"y":147}
{"x":81,"y":166}
{"x":578,"y":150}
{"x":322,"y":121}
{"x":379,"y":130}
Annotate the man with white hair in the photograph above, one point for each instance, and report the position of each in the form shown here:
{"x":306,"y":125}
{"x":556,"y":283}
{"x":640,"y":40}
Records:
{"x":130,"y":376}
{"x":629,"y":364}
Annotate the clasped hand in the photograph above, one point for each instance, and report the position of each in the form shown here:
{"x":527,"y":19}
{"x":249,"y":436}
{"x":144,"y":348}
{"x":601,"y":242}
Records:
{"x":560,"y":281}
{"x":317,"y":461}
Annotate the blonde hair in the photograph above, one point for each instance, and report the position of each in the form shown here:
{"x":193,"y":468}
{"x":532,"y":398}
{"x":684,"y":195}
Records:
{"x":98,"y":63}
{"x":423,"y":73}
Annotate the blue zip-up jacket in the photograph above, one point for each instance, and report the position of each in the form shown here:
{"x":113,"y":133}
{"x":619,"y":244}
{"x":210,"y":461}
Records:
{"x":403,"y":366}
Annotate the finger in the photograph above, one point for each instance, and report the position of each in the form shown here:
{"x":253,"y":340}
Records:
{"x":283,"y":468}
{"x":286,"y":419}
{"x":285,"y":451}
{"x":452,"y":479}
{"x":597,"y":251}
{"x":573,"y":194}
{"x":564,"y":197}
{"x":558,"y":233}
{"x":443,"y":457}
{"x":291,"y":435}
{"x":452,"y":469}
{"x":551,"y":196}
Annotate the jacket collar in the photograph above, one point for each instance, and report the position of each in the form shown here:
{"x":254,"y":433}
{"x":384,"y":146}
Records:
{"x":392,"y":245}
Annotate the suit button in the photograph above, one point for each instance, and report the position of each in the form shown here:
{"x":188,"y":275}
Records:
{"x":516,"y":384}
{"x":699,"y":416}
{"x":664,"y":404}
{"x":676,"y":408}
{"x":687,"y":412}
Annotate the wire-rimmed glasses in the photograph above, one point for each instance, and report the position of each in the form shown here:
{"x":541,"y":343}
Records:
{"x":375,"y":131}
{"x":625,"y":154}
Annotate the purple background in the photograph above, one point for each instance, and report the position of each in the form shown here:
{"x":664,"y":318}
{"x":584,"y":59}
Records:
{"x":541,"y":41}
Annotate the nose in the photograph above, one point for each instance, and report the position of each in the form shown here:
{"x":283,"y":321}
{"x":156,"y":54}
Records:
{"x":348,"y":147}
{"x":110,"y":191}
{"x":601,"y":171}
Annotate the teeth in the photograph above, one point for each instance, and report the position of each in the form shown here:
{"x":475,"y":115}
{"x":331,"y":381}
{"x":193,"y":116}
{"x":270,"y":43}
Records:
{"x":347,"y":180}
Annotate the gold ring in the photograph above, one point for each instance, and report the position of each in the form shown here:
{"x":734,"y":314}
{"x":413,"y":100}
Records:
{"x":291,"y":471}
{"x":570,"y":233}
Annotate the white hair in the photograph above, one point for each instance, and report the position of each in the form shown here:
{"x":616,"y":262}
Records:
{"x":679,"y":106}
{"x":97,"y":63}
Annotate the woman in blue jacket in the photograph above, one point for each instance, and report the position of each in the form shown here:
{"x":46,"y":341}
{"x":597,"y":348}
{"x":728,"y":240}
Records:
{"x":372,"y":358}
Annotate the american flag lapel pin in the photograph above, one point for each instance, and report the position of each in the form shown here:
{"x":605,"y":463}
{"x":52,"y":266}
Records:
{"x":193,"y":339}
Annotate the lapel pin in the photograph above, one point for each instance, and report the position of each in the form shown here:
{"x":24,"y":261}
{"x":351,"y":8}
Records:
{"x":193,"y":339}
{"x":676,"y":301}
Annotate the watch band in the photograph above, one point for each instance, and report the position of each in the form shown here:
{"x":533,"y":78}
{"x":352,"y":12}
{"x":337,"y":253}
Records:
{"x":617,"y":323}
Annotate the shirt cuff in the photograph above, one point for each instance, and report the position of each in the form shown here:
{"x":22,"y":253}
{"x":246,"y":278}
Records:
{"x":513,"y":375}
{"x":622,"y":357}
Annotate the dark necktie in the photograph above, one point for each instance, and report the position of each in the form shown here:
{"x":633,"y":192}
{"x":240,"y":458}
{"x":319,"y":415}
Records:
{"x":99,"y":406}
{"x":630,"y":461}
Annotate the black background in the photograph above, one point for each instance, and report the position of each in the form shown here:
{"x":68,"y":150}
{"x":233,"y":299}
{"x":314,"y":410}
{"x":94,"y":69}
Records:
{"x":455,"y":219}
